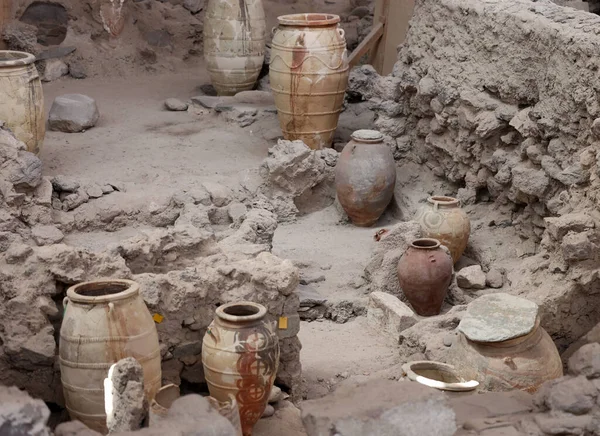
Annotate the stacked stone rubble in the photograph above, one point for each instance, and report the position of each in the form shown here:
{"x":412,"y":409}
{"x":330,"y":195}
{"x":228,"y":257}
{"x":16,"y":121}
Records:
{"x":498,"y":99}
{"x":185,"y":268}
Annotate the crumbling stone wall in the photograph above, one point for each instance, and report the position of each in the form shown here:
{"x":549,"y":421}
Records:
{"x":499,"y":100}
{"x":186,"y":266}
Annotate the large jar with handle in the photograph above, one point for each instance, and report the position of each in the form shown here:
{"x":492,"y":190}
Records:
{"x":22,"y":99}
{"x":105,"y":321}
{"x":309,"y":75}
{"x":234,"y":44}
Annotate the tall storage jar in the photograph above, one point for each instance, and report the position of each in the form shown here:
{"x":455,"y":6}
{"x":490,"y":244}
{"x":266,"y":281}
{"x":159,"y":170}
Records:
{"x":21,"y":98}
{"x":309,"y":75}
{"x":234,"y":44}
{"x":365,"y":176}
{"x":240,"y":355}
{"x":105,"y":321}
{"x":443,"y":219}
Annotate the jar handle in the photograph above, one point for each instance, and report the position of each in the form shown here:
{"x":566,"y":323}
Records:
{"x":213,"y":333}
{"x":65,"y":302}
{"x":273,"y":30}
{"x":436,"y":205}
{"x":341,"y":32}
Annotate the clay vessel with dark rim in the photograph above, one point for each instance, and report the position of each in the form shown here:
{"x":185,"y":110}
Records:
{"x":425,"y":272}
{"x":365,"y":176}
{"x":309,"y":75}
{"x":443,"y":219}
{"x":240,"y":355}
{"x":105,"y":321}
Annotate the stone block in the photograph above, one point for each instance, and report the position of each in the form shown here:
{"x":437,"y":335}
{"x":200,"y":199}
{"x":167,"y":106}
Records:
{"x":22,"y":415}
{"x":72,"y":113}
{"x":382,"y":408}
{"x":586,"y":361}
{"x":573,"y":222}
{"x":46,"y":235}
{"x":388,"y":315}
{"x":577,"y":247}
{"x":292,"y":329}
{"x":471,"y":277}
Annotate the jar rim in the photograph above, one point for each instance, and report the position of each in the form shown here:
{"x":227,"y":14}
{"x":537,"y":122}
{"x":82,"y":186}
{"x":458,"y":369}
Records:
{"x":443,"y":200}
{"x":13,"y":58}
{"x":425,"y":244}
{"x":309,"y":19}
{"x":241,"y":311}
{"x":369,"y":136}
{"x":102,"y":291}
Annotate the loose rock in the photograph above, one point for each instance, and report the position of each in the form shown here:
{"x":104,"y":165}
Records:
{"x":22,"y":415}
{"x":125,"y":403}
{"x":586,"y":361}
{"x":55,"y":69}
{"x":174,"y":104}
{"x":471,"y":277}
{"x":46,"y":235}
{"x":494,"y":278}
{"x":73,"y":113}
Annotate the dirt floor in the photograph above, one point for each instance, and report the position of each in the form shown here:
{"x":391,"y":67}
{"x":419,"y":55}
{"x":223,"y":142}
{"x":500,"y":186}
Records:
{"x":155,"y":153}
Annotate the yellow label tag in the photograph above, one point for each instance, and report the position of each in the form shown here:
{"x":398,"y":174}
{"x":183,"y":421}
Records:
{"x":158,"y":318}
{"x":283,"y":322}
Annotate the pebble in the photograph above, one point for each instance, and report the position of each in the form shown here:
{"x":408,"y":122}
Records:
{"x":269,"y":411}
{"x":448,"y":339}
{"x":174,"y":104}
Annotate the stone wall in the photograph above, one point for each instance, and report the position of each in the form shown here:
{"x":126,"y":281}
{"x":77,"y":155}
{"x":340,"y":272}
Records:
{"x":498,"y":99}
{"x":185,"y":263}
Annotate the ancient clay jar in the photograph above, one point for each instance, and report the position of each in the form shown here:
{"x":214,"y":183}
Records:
{"x":425,"y":272}
{"x":234,"y":44}
{"x":104,"y":322}
{"x":5,"y":16}
{"x":240,"y":354}
{"x":523,"y":363}
{"x":443,"y":219}
{"x":309,"y":75}
{"x":501,"y":345}
{"x":21,"y":98}
{"x":365,"y":176}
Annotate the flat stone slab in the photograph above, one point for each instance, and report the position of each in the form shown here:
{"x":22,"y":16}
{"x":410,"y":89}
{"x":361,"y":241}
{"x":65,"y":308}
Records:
{"x":498,"y":317}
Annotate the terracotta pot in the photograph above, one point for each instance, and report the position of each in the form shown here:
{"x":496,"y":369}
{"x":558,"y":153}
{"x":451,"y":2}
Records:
{"x":21,"y":98}
{"x":234,"y":44}
{"x":438,"y":375}
{"x":425,"y":272}
{"x":365,"y":176}
{"x":443,"y":219}
{"x":309,"y":75}
{"x":524,"y":363}
{"x":240,"y":354}
{"x":162,"y":402}
{"x":6,"y":14}
{"x":104,"y":322}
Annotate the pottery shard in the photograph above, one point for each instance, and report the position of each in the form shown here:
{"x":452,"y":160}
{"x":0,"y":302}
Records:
{"x":387,"y":314}
{"x":73,"y":113}
{"x":471,"y":277}
{"x":498,"y":317}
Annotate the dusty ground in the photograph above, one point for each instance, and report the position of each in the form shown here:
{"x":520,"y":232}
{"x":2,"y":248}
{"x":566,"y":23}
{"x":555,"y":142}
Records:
{"x":156,"y":152}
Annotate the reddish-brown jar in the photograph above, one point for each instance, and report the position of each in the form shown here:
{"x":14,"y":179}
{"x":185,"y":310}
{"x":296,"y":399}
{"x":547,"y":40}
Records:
{"x":425,"y":272}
